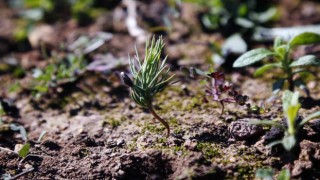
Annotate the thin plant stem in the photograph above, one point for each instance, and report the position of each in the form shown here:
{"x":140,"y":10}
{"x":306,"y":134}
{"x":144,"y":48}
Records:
{"x":291,"y":83}
{"x":150,"y":108}
{"x":222,"y":108}
{"x":288,"y":70}
{"x":290,"y":79}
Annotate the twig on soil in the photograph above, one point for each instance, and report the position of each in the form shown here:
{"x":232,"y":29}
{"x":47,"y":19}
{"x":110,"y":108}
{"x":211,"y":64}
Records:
{"x":22,"y":173}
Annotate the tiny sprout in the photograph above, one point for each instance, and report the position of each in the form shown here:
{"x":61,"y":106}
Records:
{"x":149,"y":78}
{"x":223,"y":92}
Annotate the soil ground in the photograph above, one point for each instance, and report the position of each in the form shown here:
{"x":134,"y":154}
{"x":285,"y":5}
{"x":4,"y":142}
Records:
{"x":94,"y":130}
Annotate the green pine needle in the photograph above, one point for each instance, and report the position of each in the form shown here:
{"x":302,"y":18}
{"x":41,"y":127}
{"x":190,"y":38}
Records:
{"x":150,"y":77}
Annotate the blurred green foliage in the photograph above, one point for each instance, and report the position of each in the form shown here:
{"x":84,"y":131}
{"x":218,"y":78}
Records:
{"x":228,"y":14}
{"x":53,"y":10}
{"x":281,"y":53}
{"x":49,"y":11}
{"x":1,"y":112}
{"x":67,"y":70}
{"x":236,"y":20}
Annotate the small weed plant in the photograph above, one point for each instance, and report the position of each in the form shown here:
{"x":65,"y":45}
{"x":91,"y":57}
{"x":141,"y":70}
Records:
{"x":22,"y":150}
{"x":291,"y":106}
{"x":68,"y":70}
{"x":281,"y":55}
{"x":223,"y":92}
{"x":149,"y":78}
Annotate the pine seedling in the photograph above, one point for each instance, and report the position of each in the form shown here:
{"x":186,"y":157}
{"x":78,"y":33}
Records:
{"x":149,"y":78}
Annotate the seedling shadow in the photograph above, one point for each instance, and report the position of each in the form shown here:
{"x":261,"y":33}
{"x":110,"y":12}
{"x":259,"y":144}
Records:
{"x":309,"y":102}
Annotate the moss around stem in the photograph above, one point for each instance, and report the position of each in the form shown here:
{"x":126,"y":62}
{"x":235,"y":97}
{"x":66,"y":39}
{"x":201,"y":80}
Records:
{"x":150,"y":108}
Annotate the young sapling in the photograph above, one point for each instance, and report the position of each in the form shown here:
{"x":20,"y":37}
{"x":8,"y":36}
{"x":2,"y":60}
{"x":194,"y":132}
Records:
{"x":149,"y":78}
{"x":281,"y":54}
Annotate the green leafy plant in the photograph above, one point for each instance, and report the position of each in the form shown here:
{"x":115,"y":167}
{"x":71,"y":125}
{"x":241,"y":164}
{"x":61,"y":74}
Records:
{"x":291,"y":107}
{"x":235,"y":20}
{"x":82,"y":10}
{"x":2,"y":112}
{"x":267,"y":174}
{"x":37,"y":10}
{"x":54,"y":74}
{"x":149,"y":78}
{"x":281,"y":55}
{"x":33,"y":11}
{"x":64,"y":68}
{"x":25,"y":148}
{"x":22,"y":150}
{"x":264,"y":173}
{"x":228,"y":13}
{"x":284,"y":175}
